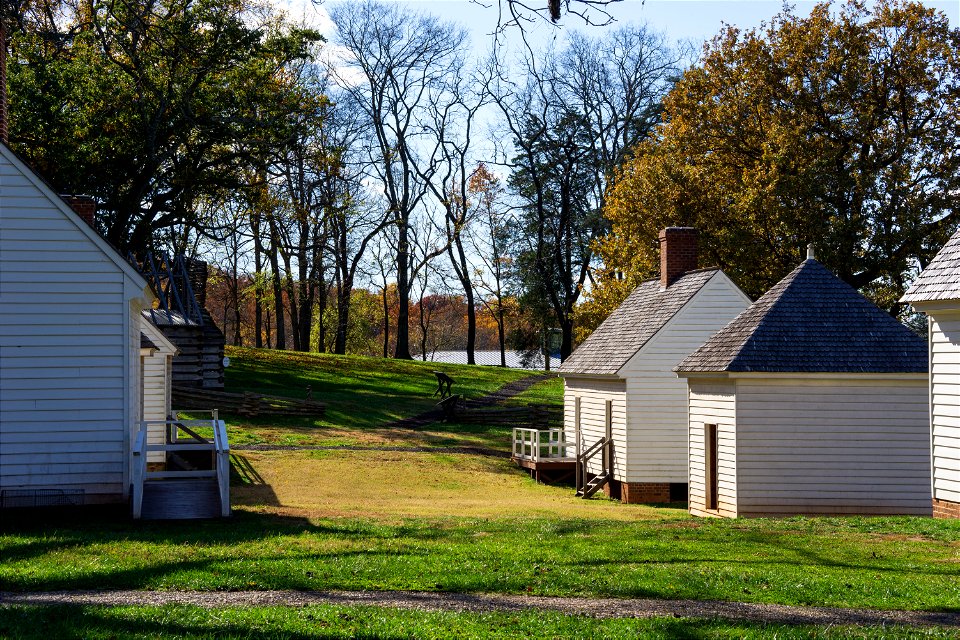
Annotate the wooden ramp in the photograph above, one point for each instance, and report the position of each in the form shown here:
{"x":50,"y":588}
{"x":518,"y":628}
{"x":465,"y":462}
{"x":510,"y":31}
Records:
{"x":181,"y":499}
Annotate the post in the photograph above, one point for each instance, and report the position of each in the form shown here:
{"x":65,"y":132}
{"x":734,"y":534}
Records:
{"x":139,"y":468}
{"x":577,"y":444}
{"x":608,"y":434}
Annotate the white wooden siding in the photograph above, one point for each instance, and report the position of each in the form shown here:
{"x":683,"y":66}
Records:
{"x":593,"y":394}
{"x":65,"y":348}
{"x":156,"y":390}
{"x":657,"y":398}
{"x":713,"y":402}
{"x":945,"y":404}
{"x":840,"y":445}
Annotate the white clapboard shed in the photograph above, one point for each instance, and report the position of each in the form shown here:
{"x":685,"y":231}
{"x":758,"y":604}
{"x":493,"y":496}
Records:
{"x":620,"y":381}
{"x":156,"y":357}
{"x":70,"y":393}
{"x":936,"y":292}
{"x":812,"y":401}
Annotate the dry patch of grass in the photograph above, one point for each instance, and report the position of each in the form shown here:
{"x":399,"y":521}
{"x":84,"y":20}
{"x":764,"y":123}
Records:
{"x":389,"y":485}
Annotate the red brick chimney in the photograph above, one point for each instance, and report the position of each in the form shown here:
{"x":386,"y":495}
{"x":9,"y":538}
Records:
{"x":84,"y":206}
{"x":678,"y":253}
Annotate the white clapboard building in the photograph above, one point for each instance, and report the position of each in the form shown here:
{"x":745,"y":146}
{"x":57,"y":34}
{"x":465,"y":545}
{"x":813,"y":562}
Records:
{"x":812,"y":401}
{"x":936,"y":292}
{"x":620,"y":381}
{"x":70,"y":344}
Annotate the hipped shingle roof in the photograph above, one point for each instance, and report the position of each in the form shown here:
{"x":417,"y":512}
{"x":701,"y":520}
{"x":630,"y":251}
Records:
{"x":941,"y":279}
{"x":811,"y":321}
{"x":633,"y":323}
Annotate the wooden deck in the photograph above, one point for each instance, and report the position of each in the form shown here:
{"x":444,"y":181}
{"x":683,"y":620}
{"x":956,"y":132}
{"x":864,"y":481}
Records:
{"x":544,"y":454}
{"x":548,"y":471}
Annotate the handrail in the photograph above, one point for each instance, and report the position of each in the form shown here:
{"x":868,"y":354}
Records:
{"x":593,"y":449}
{"x":604,"y":445}
{"x":139,"y":471}
{"x":537,"y":444}
{"x":219,"y":445}
{"x":223,"y":465}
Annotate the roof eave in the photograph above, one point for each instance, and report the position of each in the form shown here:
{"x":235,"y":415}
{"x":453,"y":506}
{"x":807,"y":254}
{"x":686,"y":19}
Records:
{"x":592,"y":376}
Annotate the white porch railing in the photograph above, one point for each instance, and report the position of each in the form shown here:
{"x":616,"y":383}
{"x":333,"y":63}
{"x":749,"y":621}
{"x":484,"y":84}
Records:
{"x":218,"y":445}
{"x":539,"y":445}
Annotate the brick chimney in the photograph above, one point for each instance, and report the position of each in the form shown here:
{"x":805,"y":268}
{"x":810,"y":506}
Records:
{"x":84,"y":206}
{"x":678,"y":253}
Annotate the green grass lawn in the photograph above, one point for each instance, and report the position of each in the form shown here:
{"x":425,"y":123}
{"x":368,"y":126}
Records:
{"x":329,"y":621}
{"x":882,"y":563}
{"x":443,"y":521}
{"x":362,"y":395}
{"x":548,"y":393}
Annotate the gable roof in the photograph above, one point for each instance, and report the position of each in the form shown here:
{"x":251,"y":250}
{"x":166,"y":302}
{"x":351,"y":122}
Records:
{"x":631,"y":325}
{"x":941,"y":279}
{"x":811,"y":321}
{"x":57,"y":202}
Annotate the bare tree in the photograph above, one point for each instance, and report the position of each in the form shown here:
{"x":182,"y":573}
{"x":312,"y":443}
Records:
{"x":490,"y":243}
{"x":397,"y":68}
{"x":571,"y":121}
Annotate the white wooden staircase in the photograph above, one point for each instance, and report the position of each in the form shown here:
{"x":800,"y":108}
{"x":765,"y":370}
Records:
{"x":190,"y":487}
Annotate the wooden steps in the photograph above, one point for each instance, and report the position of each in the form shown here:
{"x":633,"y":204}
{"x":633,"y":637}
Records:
{"x":593,"y":485}
{"x":180,"y":499}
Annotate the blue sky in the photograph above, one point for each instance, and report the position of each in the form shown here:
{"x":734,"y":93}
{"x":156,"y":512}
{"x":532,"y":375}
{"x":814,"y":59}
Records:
{"x":694,"y":20}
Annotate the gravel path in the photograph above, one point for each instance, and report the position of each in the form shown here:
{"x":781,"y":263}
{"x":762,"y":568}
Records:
{"x":426,"y":601}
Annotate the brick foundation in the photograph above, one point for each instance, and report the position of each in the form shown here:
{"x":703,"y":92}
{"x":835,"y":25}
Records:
{"x":945,"y":509}
{"x":640,"y":492}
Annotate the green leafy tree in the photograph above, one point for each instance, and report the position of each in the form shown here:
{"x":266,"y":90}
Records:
{"x":840,"y":129}
{"x":152,"y":107}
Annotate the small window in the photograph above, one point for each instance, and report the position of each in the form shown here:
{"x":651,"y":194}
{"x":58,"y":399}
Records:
{"x":711,"y":450}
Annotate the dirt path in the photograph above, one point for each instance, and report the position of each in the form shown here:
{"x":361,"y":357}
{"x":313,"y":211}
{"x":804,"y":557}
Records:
{"x":426,"y":601}
{"x":503,"y":393}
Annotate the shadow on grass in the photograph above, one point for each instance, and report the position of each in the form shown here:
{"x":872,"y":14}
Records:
{"x":66,"y":622}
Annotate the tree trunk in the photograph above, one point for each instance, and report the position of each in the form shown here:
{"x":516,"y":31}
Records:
{"x":402,"y":349}
{"x":386,"y":324}
{"x":343,"y":316}
{"x":281,"y":329}
{"x":257,"y":283}
{"x":500,"y":334}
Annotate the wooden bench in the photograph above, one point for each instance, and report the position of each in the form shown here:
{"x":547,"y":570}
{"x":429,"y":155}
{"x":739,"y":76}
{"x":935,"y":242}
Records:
{"x":443,"y":384}
{"x":450,"y":404}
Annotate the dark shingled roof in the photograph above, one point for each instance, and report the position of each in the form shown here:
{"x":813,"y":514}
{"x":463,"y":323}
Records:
{"x":633,"y":323}
{"x":941,"y":279}
{"x":812,"y":321}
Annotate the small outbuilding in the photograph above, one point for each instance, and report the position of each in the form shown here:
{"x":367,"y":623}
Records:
{"x":619,"y":385}
{"x":812,"y":401}
{"x":156,"y":366}
{"x":936,"y":292}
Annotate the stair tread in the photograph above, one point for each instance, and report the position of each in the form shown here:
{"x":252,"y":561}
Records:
{"x":180,"y":499}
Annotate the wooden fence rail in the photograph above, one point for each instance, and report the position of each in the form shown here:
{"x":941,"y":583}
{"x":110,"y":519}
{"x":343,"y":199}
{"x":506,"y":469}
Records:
{"x":245,"y":404}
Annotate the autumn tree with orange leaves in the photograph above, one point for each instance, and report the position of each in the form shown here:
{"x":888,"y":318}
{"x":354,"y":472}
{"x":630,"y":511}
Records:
{"x":840,"y":129}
